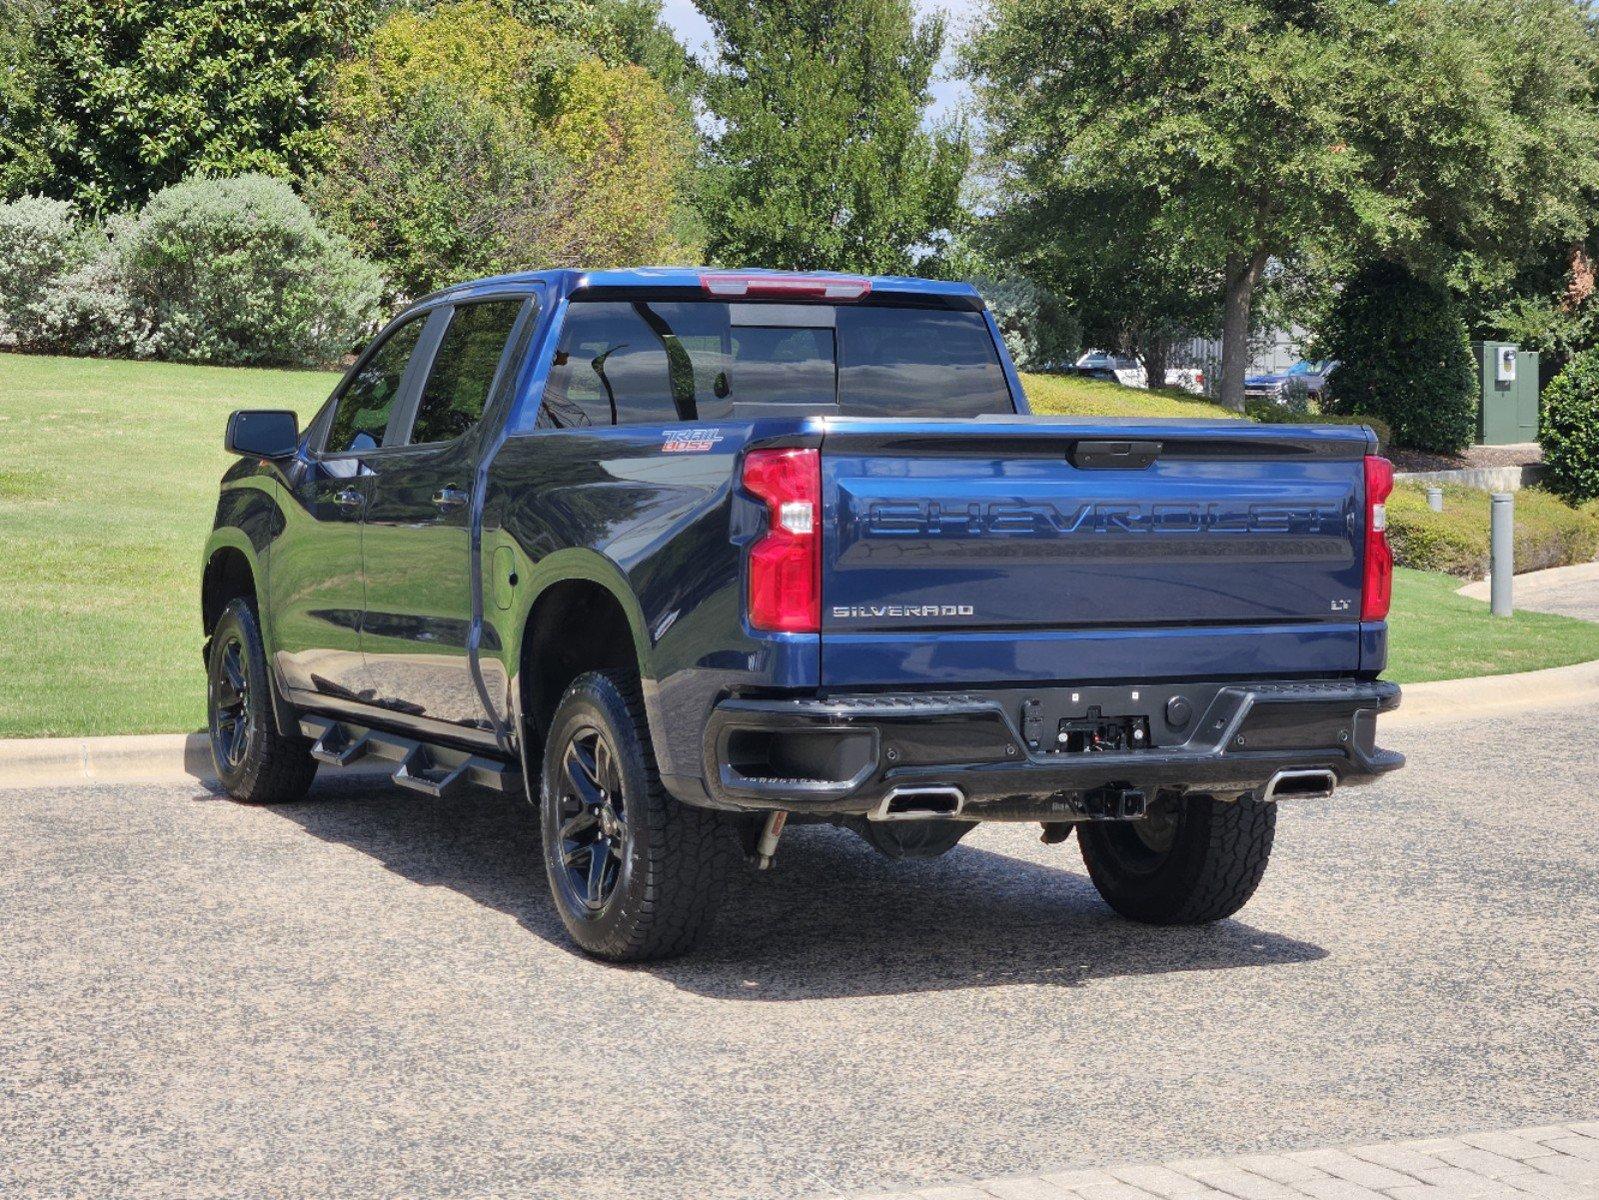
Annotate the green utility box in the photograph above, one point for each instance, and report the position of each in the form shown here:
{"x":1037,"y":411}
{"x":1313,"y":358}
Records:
{"x":1507,"y":410}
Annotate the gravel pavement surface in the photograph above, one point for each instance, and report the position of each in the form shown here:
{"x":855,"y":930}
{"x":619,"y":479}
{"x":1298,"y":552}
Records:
{"x":369,"y":995}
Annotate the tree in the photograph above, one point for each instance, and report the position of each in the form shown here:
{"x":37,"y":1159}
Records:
{"x":817,"y":156}
{"x":24,"y":164}
{"x":137,"y":95}
{"x":617,"y":32}
{"x":1404,"y":358}
{"x":1253,"y":130}
{"x":466,"y":142}
{"x":1128,"y":292}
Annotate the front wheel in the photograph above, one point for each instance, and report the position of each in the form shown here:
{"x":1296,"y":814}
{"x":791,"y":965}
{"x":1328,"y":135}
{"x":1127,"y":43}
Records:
{"x":635,"y":874}
{"x":255,"y":762}
{"x":1190,"y":861}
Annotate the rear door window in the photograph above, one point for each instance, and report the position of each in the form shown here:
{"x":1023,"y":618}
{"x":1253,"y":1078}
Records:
{"x":463,"y":370}
{"x":362,"y":411}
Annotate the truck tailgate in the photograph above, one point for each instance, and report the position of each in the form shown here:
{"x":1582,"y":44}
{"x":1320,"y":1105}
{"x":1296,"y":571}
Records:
{"x":1046,"y":548}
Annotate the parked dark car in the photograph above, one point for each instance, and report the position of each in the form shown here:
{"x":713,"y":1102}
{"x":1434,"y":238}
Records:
{"x":689,"y":555}
{"x":1305,"y":380}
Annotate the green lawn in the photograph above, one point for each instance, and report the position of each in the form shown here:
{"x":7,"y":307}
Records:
{"x":108,"y":482}
{"x":1435,"y":634}
{"x":1072,"y":395}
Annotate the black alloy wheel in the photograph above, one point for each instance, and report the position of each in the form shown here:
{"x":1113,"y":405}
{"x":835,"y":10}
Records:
{"x":255,"y":761}
{"x":635,"y":874}
{"x":595,"y":840}
{"x":232,"y":704}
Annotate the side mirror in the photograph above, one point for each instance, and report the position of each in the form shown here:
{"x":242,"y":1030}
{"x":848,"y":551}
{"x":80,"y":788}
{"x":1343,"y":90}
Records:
{"x":263,"y":433}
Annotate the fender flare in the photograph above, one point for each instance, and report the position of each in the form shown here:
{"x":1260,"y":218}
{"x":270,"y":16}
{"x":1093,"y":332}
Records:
{"x":231,"y":537}
{"x":566,"y":566}
{"x":590,"y":566}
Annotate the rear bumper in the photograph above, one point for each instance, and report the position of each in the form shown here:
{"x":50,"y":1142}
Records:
{"x":845,"y":754}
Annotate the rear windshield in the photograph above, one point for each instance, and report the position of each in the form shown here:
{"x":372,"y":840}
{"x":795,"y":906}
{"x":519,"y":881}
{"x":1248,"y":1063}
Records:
{"x":637,"y":361}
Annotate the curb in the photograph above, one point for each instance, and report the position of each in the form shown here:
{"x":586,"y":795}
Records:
{"x":154,"y":758}
{"x":1486,"y":479}
{"x":1540,"y":1160}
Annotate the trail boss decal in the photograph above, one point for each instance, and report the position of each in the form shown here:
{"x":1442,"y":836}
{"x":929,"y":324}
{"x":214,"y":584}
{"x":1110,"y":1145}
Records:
{"x":689,"y":441}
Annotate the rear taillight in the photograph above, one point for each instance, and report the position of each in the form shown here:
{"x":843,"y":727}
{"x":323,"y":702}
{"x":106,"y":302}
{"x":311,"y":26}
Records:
{"x":1378,"y":589}
{"x":785,"y":572}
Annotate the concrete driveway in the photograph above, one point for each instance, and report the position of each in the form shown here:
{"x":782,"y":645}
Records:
{"x":369,"y":995}
{"x":1565,"y":591}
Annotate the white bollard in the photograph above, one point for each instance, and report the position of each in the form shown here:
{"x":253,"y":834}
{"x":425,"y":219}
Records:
{"x":1435,"y":498}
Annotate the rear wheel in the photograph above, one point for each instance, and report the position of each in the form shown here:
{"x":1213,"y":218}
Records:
{"x":253,"y":760}
{"x":1191,"y":860}
{"x":635,"y":875}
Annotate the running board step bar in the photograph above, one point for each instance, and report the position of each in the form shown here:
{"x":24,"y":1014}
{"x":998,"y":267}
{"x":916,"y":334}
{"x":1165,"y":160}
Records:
{"x":430,"y":768}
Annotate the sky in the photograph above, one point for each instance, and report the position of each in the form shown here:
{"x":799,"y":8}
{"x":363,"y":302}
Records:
{"x":948,"y":93}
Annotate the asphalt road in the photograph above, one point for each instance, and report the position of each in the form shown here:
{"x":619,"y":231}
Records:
{"x":369,"y":995}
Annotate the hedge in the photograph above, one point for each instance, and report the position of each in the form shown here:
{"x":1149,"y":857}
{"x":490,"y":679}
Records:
{"x":1549,"y":533}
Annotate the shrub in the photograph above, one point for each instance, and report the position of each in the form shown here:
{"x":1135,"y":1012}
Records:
{"x":1548,"y":532}
{"x":237,"y":271}
{"x":1569,"y":430}
{"x":89,"y":310}
{"x":41,"y":243}
{"x":1403,"y":357}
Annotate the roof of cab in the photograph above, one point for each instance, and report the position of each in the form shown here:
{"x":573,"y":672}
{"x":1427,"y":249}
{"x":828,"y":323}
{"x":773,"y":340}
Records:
{"x":569,"y":280}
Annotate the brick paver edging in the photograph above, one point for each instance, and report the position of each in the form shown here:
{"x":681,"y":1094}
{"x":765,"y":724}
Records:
{"x":1551,"y":1162}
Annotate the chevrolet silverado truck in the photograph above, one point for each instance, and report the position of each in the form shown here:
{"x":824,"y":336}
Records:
{"x":688,"y":555}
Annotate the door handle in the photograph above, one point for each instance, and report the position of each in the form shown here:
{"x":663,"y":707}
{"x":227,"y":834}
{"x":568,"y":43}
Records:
{"x":449,"y":498}
{"x":348,"y":498}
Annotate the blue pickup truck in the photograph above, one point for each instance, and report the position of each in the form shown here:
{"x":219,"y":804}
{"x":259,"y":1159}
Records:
{"x":689,"y":555}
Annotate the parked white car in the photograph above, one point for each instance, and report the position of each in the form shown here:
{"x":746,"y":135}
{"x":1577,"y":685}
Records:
{"x":1122,"y":368}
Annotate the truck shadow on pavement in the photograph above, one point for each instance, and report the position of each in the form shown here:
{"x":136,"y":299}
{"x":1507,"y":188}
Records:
{"x":832,"y":919}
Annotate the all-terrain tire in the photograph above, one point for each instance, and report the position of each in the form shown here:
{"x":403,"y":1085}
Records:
{"x":1204,"y":869}
{"x":255,"y":762}
{"x":664,"y":865}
